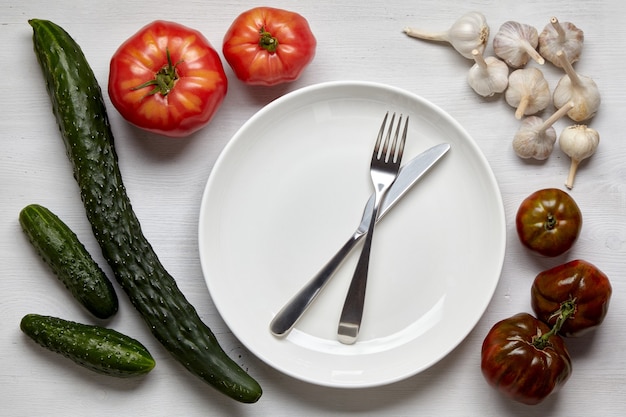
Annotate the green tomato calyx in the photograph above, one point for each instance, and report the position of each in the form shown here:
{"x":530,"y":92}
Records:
{"x":164,"y":79}
{"x":267,"y":41}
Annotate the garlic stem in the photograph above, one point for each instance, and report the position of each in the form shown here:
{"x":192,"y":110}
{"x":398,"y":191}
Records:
{"x":573,"y":167}
{"x":532,"y":52}
{"x":427,"y":35}
{"x":522,"y":106}
{"x":480,"y":59}
{"x":569,"y":69}
{"x":559,"y":29}
{"x":556,"y":116}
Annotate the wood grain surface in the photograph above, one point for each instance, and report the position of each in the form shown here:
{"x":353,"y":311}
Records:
{"x":165,"y":179}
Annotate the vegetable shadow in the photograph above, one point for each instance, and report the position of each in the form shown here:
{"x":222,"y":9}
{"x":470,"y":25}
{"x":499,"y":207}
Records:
{"x":158,"y":147}
{"x":260,"y":95}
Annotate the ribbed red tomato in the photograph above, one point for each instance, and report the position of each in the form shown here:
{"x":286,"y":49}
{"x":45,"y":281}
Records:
{"x":577,"y":283}
{"x":167,"y":79}
{"x":268,"y":46}
{"x":524,"y":359}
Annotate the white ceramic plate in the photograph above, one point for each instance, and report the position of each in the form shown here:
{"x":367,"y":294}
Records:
{"x":288,"y":190}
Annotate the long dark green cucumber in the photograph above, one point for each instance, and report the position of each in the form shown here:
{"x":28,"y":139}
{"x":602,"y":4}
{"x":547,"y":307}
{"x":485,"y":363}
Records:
{"x":68,"y":258}
{"x":100,"y":349}
{"x":80,"y":111}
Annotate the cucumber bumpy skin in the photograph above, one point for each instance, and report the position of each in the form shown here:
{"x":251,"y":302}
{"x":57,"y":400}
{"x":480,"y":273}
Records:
{"x":102,"y":350}
{"x":68,"y":258}
{"x":79,"y":108}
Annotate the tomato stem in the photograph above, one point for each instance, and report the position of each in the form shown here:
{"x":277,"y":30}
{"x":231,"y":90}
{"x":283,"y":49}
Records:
{"x":550,"y":222}
{"x":565,"y":311}
{"x":164,"y":80}
{"x":267,"y":41}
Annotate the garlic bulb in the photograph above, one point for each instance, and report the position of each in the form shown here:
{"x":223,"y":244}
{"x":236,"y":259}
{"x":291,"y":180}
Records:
{"x":578,"y":142}
{"x":558,"y":36}
{"x":580,"y":89}
{"x":469,"y":32}
{"x":488,"y":76}
{"x":528,"y":91}
{"x":536,"y":138}
{"x":515,"y":43}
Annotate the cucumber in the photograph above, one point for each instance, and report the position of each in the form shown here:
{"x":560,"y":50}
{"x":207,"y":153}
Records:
{"x":60,"y":248}
{"x":97,"y":348}
{"x":79,"y":108}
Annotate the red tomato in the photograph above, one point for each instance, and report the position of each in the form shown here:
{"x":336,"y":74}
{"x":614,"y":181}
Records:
{"x":578,"y":283}
{"x":268,"y":46}
{"x":524,"y":359}
{"x":167,"y":79}
{"x":548,"y":222}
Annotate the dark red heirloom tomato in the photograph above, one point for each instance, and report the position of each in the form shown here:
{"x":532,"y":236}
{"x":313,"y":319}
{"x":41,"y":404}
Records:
{"x":578,"y":285}
{"x":524,"y":359}
{"x":167,"y":79}
{"x":548,"y":222}
{"x":268,"y":46}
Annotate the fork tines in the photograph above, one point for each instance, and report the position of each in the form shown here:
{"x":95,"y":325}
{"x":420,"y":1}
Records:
{"x":386,"y":151}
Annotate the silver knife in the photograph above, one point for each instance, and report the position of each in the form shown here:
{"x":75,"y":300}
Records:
{"x":287,"y":317}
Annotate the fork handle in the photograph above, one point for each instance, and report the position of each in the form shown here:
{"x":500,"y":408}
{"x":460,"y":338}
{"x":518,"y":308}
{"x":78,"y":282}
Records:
{"x":352,"y":313}
{"x":289,"y":315}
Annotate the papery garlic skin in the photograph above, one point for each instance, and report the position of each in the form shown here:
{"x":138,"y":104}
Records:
{"x":469,"y":32}
{"x":528,"y":91}
{"x":535,"y":137}
{"x":587,"y":99}
{"x":531,"y":141}
{"x":516,"y":44}
{"x":580,"y":89}
{"x":488,"y":75}
{"x":578,"y":142}
{"x":561,"y":36}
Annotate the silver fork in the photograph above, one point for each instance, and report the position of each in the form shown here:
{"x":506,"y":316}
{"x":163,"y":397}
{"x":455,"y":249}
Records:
{"x":384,"y":169}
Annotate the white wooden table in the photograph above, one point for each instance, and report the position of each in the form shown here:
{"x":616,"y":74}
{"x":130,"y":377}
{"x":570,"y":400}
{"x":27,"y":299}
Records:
{"x":165,"y":179}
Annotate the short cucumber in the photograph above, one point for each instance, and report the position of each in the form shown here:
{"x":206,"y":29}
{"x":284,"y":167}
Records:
{"x":59,"y":246}
{"x":100,"y":349}
{"x":79,"y":108}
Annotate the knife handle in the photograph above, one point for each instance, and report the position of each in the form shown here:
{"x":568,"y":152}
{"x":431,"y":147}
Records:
{"x":289,"y":315}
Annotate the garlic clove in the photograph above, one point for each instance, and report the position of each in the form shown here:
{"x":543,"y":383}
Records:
{"x":469,"y":32}
{"x":516,"y":43}
{"x":557,"y":36}
{"x":488,"y":75}
{"x":580,"y":89}
{"x":528,"y":91}
{"x":578,"y":142}
{"x":535,"y":137}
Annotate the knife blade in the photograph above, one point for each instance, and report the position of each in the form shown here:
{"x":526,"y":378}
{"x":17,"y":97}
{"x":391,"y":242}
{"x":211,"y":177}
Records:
{"x":288,"y":316}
